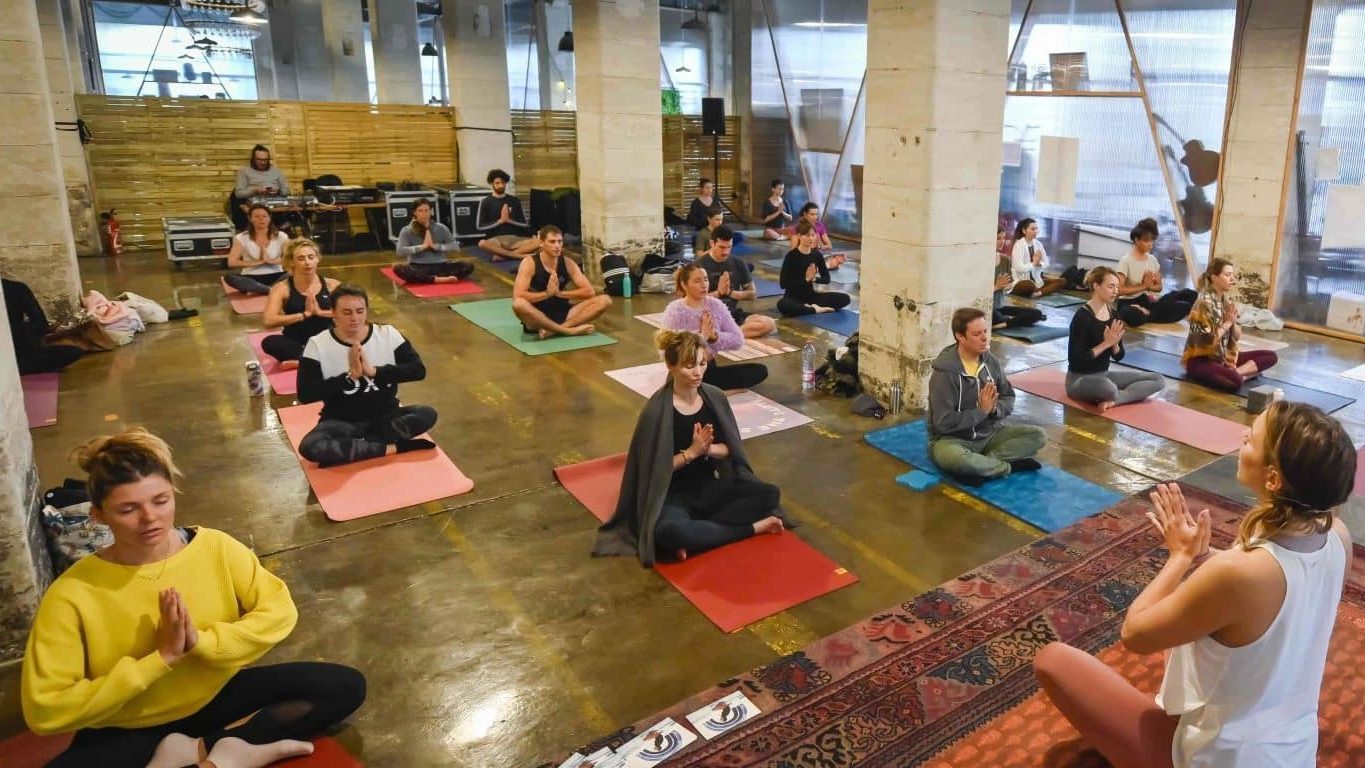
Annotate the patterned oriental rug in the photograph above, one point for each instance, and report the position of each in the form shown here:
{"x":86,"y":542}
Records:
{"x":945,"y":679}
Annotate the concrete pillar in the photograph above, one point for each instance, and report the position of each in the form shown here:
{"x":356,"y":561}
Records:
{"x":620,"y":128}
{"x":75,"y":173}
{"x":1260,"y":136}
{"x":36,"y":244}
{"x":263,"y":58}
{"x":343,"y":28}
{"x":476,"y":67}
{"x":935,"y":107}
{"x":319,"y":50}
{"x":397,"y":63}
{"x":741,"y":99}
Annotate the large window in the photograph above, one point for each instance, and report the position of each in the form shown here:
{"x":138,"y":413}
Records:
{"x":535,"y":32}
{"x":145,"y":49}
{"x":1321,"y":270}
{"x":683,"y":63}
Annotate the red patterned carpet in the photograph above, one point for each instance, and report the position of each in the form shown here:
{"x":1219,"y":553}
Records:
{"x":945,"y":678}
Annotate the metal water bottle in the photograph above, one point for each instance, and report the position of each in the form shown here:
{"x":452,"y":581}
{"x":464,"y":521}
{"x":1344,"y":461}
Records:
{"x":808,"y":366}
{"x":255,"y":380}
{"x":895,"y":396}
{"x":625,"y":286}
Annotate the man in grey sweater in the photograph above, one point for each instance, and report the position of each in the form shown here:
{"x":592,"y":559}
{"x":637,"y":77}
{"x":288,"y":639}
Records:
{"x":969,"y":399}
{"x":260,"y":177}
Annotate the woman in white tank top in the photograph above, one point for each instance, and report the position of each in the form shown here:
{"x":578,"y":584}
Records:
{"x":1246,"y":633}
{"x":257,"y":251}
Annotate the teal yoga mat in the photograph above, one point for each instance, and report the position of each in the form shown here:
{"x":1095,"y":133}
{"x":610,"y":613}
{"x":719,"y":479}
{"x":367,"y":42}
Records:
{"x":495,"y":316}
{"x":1034,"y":334}
{"x":843,"y":322}
{"x":1058,"y":300}
{"x":1050,"y":498}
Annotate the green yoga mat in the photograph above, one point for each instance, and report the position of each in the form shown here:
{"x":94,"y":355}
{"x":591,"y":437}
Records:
{"x":495,"y":316}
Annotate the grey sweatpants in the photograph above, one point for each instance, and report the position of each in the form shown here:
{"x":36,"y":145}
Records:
{"x":1118,"y":387}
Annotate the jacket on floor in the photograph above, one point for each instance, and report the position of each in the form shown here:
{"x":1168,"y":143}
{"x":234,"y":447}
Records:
{"x":649,"y":469}
{"x":953,"y":410}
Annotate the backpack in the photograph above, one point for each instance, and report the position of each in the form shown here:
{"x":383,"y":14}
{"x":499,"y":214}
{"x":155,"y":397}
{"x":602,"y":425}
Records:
{"x":614,"y":270}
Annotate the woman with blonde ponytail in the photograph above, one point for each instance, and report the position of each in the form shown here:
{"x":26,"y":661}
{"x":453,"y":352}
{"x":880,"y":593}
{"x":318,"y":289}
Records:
{"x":144,"y":648}
{"x":1246,"y":633}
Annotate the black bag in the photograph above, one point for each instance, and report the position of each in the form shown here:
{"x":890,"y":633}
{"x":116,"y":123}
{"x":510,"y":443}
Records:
{"x":614,"y":271}
{"x":653,"y":261}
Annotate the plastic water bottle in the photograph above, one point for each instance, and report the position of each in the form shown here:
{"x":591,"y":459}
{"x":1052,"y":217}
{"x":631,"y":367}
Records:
{"x":808,"y":365}
{"x":625,"y":286}
{"x":1279,"y":394}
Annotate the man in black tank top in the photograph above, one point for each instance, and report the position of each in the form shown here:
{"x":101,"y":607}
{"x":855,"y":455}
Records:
{"x":551,"y":295}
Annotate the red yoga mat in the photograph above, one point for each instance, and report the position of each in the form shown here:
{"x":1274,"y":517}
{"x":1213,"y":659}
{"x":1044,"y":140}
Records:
{"x":1175,"y":422}
{"x":28,"y":750}
{"x":434,"y":290}
{"x":369,"y":487}
{"x":281,"y":382}
{"x":40,"y":399}
{"x":733,"y":586}
{"x":243,"y":303}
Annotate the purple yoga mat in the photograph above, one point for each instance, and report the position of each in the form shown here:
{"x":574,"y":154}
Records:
{"x":40,"y":399}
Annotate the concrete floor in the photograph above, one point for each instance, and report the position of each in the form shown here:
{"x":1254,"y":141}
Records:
{"x":488,"y":635}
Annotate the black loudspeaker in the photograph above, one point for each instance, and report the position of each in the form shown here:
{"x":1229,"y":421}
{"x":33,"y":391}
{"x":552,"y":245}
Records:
{"x":713,"y":117}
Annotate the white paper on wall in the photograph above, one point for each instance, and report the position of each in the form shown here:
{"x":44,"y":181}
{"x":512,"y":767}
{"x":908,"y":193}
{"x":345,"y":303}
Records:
{"x":1058,"y":163}
{"x":1014,"y":154}
{"x":1344,"y":224}
{"x":1329,"y":164}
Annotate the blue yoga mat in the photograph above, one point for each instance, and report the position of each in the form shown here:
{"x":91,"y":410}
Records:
{"x":843,"y":322}
{"x":1050,"y":498}
{"x":773,"y":263}
{"x":765,"y":288}
{"x":1170,"y":366}
{"x":1034,"y":334}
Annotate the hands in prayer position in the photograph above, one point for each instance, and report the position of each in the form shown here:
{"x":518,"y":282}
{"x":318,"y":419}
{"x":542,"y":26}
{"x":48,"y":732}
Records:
{"x":427,"y":243}
{"x":703,"y":435}
{"x":723,"y":285}
{"x":552,"y":285}
{"x":988,"y":397}
{"x":506,"y":215}
{"x":358,"y":365}
{"x":811,"y":273}
{"x":1113,"y":334}
{"x":1186,"y":535}
{"x":708,"y":328}
{"x":175,"y":633}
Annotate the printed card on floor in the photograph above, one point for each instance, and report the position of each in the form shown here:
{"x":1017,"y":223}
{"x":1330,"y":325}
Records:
{"x":660,"y":742}
{"x":602,"y":758}
{"x":720,"y":716}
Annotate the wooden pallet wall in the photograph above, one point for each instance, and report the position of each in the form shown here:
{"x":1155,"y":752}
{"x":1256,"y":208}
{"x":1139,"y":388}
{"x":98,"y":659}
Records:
{"x":689,"y":157}
{"x":545,"y":149}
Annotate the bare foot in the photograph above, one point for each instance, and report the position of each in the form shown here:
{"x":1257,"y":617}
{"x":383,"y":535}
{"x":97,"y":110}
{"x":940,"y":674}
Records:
{"x":1036,"y":294}
{"x":680,"y":555}
{"x":580,"y":330}
{"x":175,"y":751}
{"x":232,"y":752}
{"x":289,"y":365}
{"x":1105,"y":406}
{"x":771,"y":524}
{"x":544,"y":333}
{"x":447,"y":279}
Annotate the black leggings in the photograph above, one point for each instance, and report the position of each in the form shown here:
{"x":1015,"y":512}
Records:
{"x":427,"y":273}
{"x":334,"y":441}
{"x":282,"y":347}
{"x":721,"y":513}
{"x":790,"y":307}
{"x":734,"y":376}
{"x":1171,"y":308}
{"x":48,"y":359}
{"x":299,"y":700}
{"x":254,"y":284}
{"x":1016,"y":317}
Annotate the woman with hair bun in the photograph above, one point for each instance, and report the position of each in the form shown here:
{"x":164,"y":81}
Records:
{"x":1246,"y":634}
{"x":144,"y":648}
{"x":688,"y":487}
{"x":1140,"y":299}
{"x":1097,"y":340}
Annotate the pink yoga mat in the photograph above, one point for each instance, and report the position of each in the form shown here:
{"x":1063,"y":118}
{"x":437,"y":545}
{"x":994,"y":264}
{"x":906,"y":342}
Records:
{"x":1175,"y":422}
{"x":733,"y":586}
{"x":243,"y":303}
{"x":377,"y":485}
{"x":40,"y":399}
{"x":281,"y":382}
{"x":755,"y":414}
{"x":433,"y":290}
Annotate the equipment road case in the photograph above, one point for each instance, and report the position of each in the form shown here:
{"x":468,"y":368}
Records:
{"x":458,"y":209}
{"x":197,"y":238}
{"x":398,"y":208}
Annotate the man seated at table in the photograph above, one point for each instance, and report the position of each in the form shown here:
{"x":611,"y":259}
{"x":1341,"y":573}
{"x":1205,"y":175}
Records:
{"x":551,"y":295}
{"x":257,"y":177}
{"x":503,"y":223}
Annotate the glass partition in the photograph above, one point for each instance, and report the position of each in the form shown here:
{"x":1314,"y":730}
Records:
{"x":144,"y":49}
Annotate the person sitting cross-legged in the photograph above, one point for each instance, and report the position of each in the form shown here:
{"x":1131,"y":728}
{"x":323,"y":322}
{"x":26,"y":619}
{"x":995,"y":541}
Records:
{"x":355,"y":369}
{"x":551,"y":295}
{"x":425,"y":243}
{"x":1008,"y":315}
{"x":969,"y":400}
{"x":732,"y":283}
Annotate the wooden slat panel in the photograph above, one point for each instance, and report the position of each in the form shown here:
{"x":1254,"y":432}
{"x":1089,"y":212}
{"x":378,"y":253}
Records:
{"x":545,"y":149}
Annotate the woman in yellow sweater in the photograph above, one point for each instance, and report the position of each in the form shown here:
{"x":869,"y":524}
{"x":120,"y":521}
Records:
{"x":143,"y":648}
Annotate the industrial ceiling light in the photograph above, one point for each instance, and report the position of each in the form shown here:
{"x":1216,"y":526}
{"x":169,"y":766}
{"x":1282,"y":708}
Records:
{"x":248,"y":15}
{"x":566,"y":42}
{"x":205,"y":42}
{"x":695,"y":22}
{"x":429,"y":50}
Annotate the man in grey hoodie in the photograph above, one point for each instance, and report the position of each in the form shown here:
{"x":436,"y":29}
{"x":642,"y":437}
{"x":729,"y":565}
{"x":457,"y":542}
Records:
{"x":969,"y":399}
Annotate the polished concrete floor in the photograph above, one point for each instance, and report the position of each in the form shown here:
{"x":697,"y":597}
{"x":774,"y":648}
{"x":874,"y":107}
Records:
{"x":489,"y":636}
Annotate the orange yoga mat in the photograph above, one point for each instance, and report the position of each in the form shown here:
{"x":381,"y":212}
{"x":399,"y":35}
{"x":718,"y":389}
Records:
{"x":243,"y":303}
{"x":733,"y":586}
{"x":433,"y":290}
{"x":365,"y":488}
{"x":1171,"y":421}
{"x":28,"y":750}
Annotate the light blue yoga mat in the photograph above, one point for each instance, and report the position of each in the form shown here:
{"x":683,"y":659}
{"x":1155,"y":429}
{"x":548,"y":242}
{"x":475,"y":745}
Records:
{"x":843,"y":322}
{"x":765,"y":288}
{"x":1050,"y":498}
{"x":773,"y":263}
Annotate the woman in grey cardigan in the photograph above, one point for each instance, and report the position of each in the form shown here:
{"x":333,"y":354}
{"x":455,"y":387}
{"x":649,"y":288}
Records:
{"x":425,"y":243}
{"x":687,"y":487}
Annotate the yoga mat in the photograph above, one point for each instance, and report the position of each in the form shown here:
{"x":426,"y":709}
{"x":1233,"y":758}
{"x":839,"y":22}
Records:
{"x":40,"y":398}
{"x":843,"y":322}
{"x":1056,"y":300}
{"x":243,"y":303}
{"x":1171,"y":421}
{"x":766,"y":288}
{"x":495,"y":316}
{"x":1033,"y":334}
{"x":1357,"y":373}
{"x":1220,"y":477}
{"x":505,"y":265}
{"x":735,"y":585}
{"x":1169,"y":366}
{"x":433,"y":290}
{"x":281,"y":382}
{"x":369,"y":487}
{"x":753,"y":349}
{"x":1181,"y":330}
{"x":755,"y":414}
{"x":773,"y":263}
{"x":1050,"y":498}
{"x":29,"y":750}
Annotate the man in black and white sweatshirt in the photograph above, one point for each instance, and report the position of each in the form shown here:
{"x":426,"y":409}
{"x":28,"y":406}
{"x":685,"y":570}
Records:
{"x":355,"y":369}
